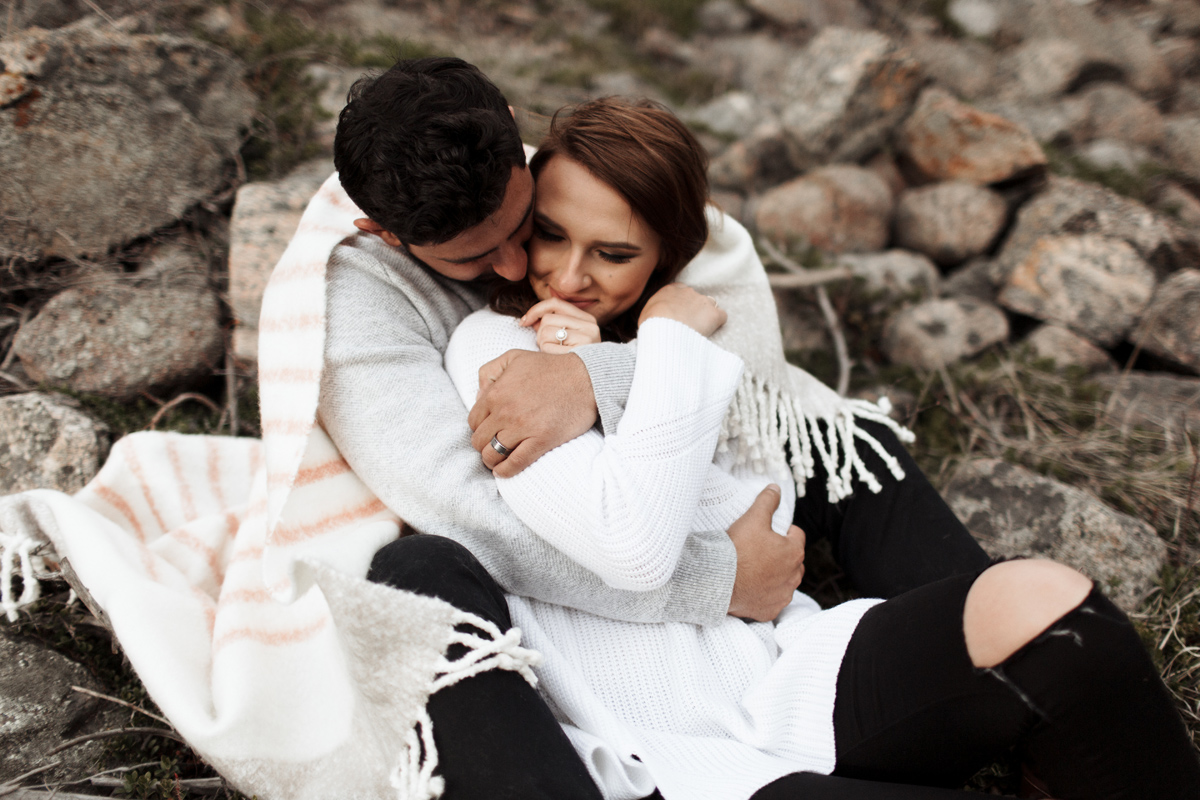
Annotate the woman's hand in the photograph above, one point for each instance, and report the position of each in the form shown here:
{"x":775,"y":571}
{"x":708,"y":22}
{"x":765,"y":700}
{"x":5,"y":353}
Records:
{"x":684,"y":304}
{"x":561,"y":326}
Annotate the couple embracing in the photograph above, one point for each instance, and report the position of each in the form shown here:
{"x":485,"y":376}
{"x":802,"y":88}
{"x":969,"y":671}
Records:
{"x":566,"y":375}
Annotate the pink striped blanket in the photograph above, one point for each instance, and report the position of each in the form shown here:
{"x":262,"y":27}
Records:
{"x":233,"y":574}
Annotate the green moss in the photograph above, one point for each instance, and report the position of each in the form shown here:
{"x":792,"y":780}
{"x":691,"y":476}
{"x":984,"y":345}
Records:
{"x":1138,"y":185}
{"x":632,"y":17}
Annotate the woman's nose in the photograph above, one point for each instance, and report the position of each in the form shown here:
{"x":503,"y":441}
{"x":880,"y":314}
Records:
{"x":573,"y":277}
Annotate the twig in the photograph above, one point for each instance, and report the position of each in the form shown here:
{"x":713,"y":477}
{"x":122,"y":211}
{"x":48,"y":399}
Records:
{"x":810,"y":278}
{"x":121,"y":702}
{"x":951,"y":392}
{"x":101,"y":12}
{"x":109,"y":734}
{"x":15,"y":381}
{"x":231,"y":398}
{"x":208,"y":785}
{"x":199,"y":398}
{"x":835,"y":329}
{"x":10,"y":786}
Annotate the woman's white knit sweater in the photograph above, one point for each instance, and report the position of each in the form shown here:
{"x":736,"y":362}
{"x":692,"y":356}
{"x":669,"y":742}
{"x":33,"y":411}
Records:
{"x":713,"y":712}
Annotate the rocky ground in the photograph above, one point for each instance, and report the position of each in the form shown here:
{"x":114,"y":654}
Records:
{"x":987,"y":210}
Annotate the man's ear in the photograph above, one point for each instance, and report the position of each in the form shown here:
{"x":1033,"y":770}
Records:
{"x":368,"y":225}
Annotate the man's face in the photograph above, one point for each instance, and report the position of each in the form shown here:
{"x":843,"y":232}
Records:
{"x":495,"y":245}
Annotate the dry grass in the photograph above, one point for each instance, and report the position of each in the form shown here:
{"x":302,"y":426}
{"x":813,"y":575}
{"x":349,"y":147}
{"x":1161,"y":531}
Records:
{"x":1057,"y":423}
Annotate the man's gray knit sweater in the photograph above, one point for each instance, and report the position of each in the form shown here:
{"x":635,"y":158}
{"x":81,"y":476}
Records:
{"x":392,"y":410}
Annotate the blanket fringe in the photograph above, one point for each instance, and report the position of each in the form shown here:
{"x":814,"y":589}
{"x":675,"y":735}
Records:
{"x":413,"y":776}
{"x":18,"y":549}
{"x":762,"y":419}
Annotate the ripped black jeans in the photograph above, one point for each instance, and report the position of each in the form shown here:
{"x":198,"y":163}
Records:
{"x":1082,"y":702}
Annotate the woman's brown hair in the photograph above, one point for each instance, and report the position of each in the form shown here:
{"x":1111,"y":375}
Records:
{"x":651,"y":159}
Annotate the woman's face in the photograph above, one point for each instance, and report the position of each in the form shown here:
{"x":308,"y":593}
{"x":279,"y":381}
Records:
{"x":588,"y":248}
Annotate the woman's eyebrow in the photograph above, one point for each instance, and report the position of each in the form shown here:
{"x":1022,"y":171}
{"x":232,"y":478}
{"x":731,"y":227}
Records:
{"x":546,"y":222}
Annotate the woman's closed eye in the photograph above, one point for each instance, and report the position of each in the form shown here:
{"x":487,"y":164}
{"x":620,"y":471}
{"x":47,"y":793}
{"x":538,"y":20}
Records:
{"x":615,"y":258}
{"x":544,"y":234}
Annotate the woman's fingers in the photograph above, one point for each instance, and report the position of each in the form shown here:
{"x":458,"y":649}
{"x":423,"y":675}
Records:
{"x":554,"y":306}
{"x":558,"y":333}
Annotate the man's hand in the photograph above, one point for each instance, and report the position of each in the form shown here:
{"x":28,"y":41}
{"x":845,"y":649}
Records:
{"x":769,"y":566}
{"x":532,"y":403}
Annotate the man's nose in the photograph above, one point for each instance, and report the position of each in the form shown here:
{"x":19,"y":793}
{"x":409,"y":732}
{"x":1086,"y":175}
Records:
{"x":511,"y":261}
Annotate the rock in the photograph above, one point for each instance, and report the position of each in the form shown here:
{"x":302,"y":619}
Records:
{"x":754,"y":62}
{"x":801,"y":324}
{"x":1117,"y":112}
{"x":945,"y":139}
{"x":48,"y":444}
{"x":814,"y":14}
{"x":1183,"y":17}
{"x":736,"y":169}
{"x":1041,"y":68}
{"x":760,"y":160}
{"x":265,"y":216}
{"x":1110,"y":154}
{"x":1068,"y":206}
{"x":975,"y":17}
{"x":840,"y":208}
{"x":1058,"y":121}
{"x":1114,"y":45}
{"x":1180,"y":53}
{"x":733,"y":114}
{"x":121,"y":338}
{"x":894,"y":275}
{"x":40,"y":711}
{"x":949,"y":222}
{"x":1015,"y":512}
{"x":109,"y":135}
{"x":1093,"y":285}
{"x":1068,"y":349}
{"x":1183,"y":144}
{"x":884,"y":165}
{"x":966,"y":67}
{"x":1153,"y":400}
{"x":334,"y":83}
{"x":1171,"y":322}
{"x":934,"y":333}
{"x":975,"y":279}
{"x":731,"y":203}
{"x":1187,"y":97}
{"x":843,"y":94}
{"x":1173,"y":199}
{"x":722,"y":17}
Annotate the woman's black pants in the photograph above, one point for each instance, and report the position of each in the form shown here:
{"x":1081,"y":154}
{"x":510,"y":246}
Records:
{"x":497,"y":739}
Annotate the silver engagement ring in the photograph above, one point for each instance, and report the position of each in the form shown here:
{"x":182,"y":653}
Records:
{"x":561,"y":335}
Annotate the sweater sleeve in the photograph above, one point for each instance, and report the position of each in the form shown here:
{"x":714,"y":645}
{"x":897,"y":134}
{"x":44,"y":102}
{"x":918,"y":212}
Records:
{"x":622,"y":504}
{"x":393,"y":412}
{"x":610,"y":367}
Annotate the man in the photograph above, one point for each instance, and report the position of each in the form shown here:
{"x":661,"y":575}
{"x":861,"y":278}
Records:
{"x":430,"y":152}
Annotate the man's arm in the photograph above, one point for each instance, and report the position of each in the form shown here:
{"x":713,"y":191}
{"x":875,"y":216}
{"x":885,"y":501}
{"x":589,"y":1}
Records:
{"x":394,"y":414}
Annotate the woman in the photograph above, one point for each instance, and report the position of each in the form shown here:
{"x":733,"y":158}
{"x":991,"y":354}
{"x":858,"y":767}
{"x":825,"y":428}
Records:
{"x":923,"y":689}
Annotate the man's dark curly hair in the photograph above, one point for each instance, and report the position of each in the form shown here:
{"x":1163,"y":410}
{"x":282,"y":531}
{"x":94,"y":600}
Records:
{"x":427,"y":148}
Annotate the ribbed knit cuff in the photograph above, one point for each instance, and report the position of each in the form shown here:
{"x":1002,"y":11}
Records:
{"x":703,"y":582}
{"x":610,"y":366}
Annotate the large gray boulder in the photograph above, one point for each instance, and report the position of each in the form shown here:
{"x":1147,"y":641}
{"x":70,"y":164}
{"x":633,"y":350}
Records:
{"x":123,"y":337}
{"x":840,"y":208}
{"x":1069,"y":206}
{"x":265,"y":215}
{"x":1041,"y":68}
{"x":1093,"y":285}
{"x":1015,"y":512}
{"x":39,"y":710}
{"x":48,"y":444}
{"x":843,"y":94}
{"x":894,"y":275}
{"x":949,"y":222}
{"x":945,"y":139}
{"x":106,"y":135}
{"x":936,"y":333}
{"x":1171,"y":323}
{"x":964,"y":66}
